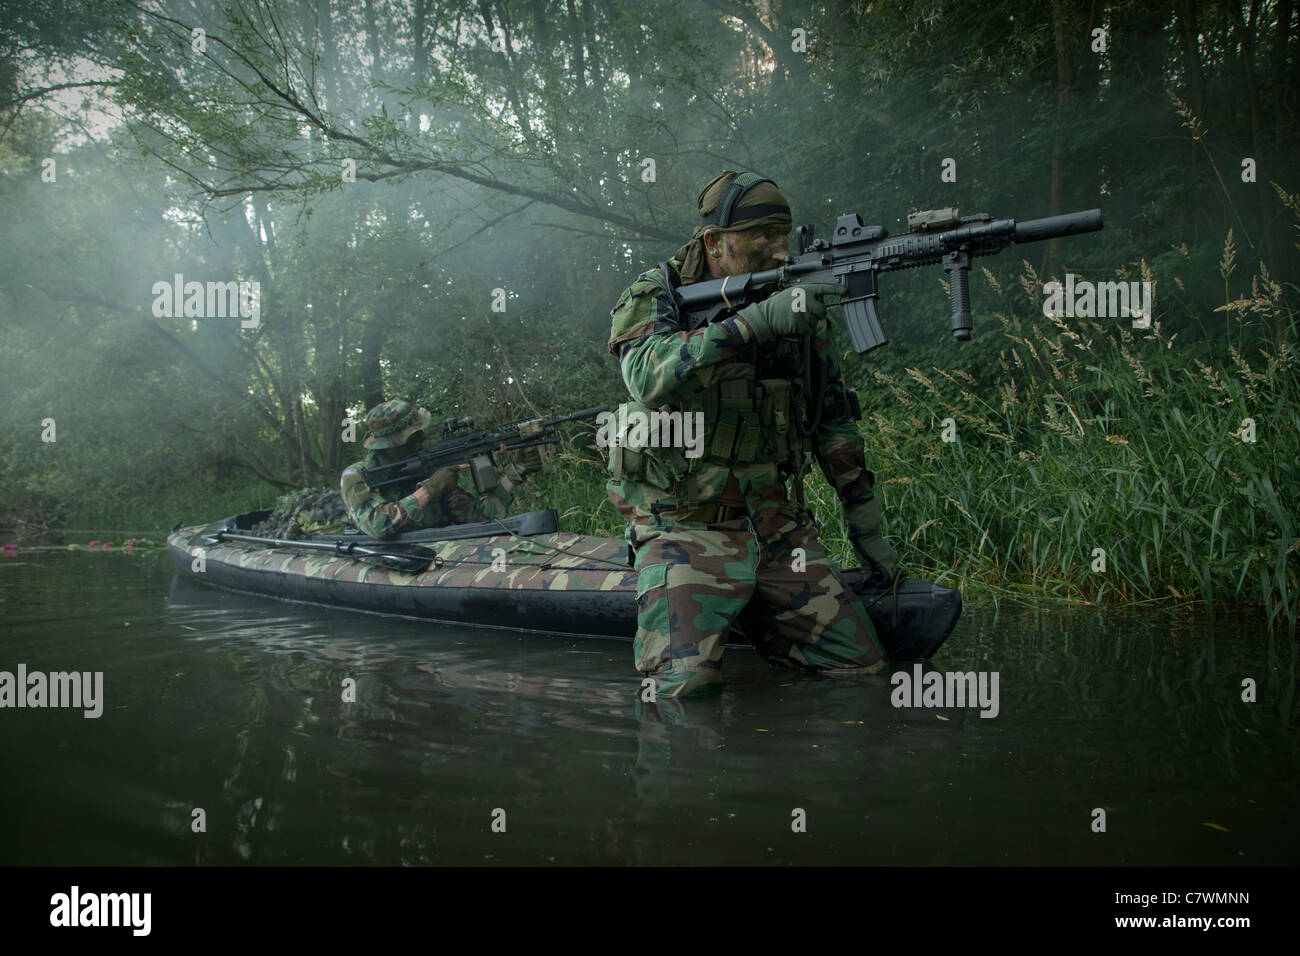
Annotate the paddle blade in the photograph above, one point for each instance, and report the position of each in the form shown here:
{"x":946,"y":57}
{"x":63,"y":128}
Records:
{"x":410,"y":558}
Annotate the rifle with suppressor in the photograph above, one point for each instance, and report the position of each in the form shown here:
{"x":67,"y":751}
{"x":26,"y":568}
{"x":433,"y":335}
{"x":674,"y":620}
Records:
{"x":856,"y":253}
{"x":461,"y":444}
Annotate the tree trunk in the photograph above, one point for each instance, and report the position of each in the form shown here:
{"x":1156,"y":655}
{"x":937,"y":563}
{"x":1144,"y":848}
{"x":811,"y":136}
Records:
{"x":575,"y":38}
{"x":593,"y":53}
{"x":329,"y":391}
{"x":512,"y":91}
{"x":1284,"y":115}
{"x":1188,"y":31}
{"x":1246,"y":32}
{"x":419,"y":50}
{"x":372,"y":347}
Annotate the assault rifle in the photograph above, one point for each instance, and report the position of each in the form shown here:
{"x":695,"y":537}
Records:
{"x":461,"y":444}
{"x":856,"y":253}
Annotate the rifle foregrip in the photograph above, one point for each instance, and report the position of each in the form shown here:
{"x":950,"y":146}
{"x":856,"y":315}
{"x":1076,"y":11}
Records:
{"x":957,"y":265}
{"x":959,"y":303}
{"x":1050,"y":227}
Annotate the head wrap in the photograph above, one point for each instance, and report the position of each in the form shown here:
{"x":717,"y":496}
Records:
{"x":732,"y":202}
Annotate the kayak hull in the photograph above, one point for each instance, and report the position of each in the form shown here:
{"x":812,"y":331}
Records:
{"x":546,"y":581}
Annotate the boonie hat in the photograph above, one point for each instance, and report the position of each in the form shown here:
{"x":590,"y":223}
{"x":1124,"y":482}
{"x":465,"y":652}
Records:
{"x":391,"y":423}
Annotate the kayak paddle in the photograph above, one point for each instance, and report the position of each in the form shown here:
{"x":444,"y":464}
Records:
{"x":397,"y":556}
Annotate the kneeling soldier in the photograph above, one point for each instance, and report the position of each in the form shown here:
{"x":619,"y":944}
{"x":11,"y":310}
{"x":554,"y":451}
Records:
{"x":719,"y":540}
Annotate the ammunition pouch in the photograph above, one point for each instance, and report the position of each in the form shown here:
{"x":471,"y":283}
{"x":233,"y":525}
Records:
{"x":484,"y":472}
{"x":745,"y":423}
{"x":753,"y":422}
{"x":634,"y":455}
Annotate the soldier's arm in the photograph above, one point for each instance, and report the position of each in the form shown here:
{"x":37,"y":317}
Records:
{"x":458,"y":506}
{"x":840,"y":452}
{"x":839,"y":447}
{"x":370,"y":512}
{"x":660,"y":362}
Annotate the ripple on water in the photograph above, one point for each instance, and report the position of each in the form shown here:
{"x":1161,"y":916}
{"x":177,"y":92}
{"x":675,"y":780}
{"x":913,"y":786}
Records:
{"x":309,"y":735}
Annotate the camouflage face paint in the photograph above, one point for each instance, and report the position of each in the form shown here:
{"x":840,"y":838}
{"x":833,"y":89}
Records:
{"x":754,"y":250}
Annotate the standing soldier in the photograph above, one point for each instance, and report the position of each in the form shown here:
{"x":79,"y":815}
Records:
{"x":395,"y":431}
{"x":718,"y":540}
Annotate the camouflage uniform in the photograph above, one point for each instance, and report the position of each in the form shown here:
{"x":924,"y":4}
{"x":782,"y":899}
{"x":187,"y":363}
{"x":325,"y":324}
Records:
{"x":715,"y":536}
{"x":394,"y":509}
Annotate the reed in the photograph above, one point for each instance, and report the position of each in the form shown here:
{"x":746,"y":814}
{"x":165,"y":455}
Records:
{"x":1089,"y":436}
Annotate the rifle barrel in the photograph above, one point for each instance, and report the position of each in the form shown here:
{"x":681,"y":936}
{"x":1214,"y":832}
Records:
{"x":585,"y":413}
{"x":1050,"y":227}
{"x":465,"y":446}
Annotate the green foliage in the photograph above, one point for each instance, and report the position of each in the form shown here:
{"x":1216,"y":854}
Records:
{"x":573,"y":483}
{"x":1088,"y":437}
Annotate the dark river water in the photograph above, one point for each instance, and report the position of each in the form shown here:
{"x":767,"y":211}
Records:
{"x":475,"y":747}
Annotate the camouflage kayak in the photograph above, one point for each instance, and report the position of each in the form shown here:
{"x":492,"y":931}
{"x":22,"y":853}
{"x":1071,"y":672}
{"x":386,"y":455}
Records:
{"x":520,"y":574}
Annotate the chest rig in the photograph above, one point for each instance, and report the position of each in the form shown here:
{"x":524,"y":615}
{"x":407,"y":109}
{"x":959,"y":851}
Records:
{"x":742,"y":422}
{"x":753,"y":416}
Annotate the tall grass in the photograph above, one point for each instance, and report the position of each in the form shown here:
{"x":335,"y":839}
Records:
{"x":573,"y":483}
{"x":1090,"y":436}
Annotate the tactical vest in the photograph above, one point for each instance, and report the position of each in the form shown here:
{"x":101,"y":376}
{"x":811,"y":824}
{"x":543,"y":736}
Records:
{"x":746,"y":421}
{"x":751,"y":419}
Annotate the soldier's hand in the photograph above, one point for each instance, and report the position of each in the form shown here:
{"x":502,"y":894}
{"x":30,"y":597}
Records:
{"x":879,"y":560}
{"x":440,"y":482}
{"x":530,"y":459}
{"x":515,"y":473}
{"x":777,"y":315}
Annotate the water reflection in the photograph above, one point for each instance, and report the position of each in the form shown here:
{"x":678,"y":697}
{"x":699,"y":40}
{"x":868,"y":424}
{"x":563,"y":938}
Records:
{"x":236,"y":705}
{"x":1130,"y":713}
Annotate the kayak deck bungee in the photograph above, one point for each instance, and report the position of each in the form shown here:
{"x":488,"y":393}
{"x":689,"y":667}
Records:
{"x":520,"y":574}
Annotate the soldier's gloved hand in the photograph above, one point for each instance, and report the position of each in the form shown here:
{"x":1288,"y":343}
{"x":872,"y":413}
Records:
{"x":439,"y":483}
{"x":776,"y":314}
{"x":515,"y":472}
{"x":879,"y":560}
{"x":529,"y":459}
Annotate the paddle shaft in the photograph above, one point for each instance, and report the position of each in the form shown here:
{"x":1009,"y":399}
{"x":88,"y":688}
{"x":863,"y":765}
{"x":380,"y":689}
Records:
{"x":411,"y":556}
